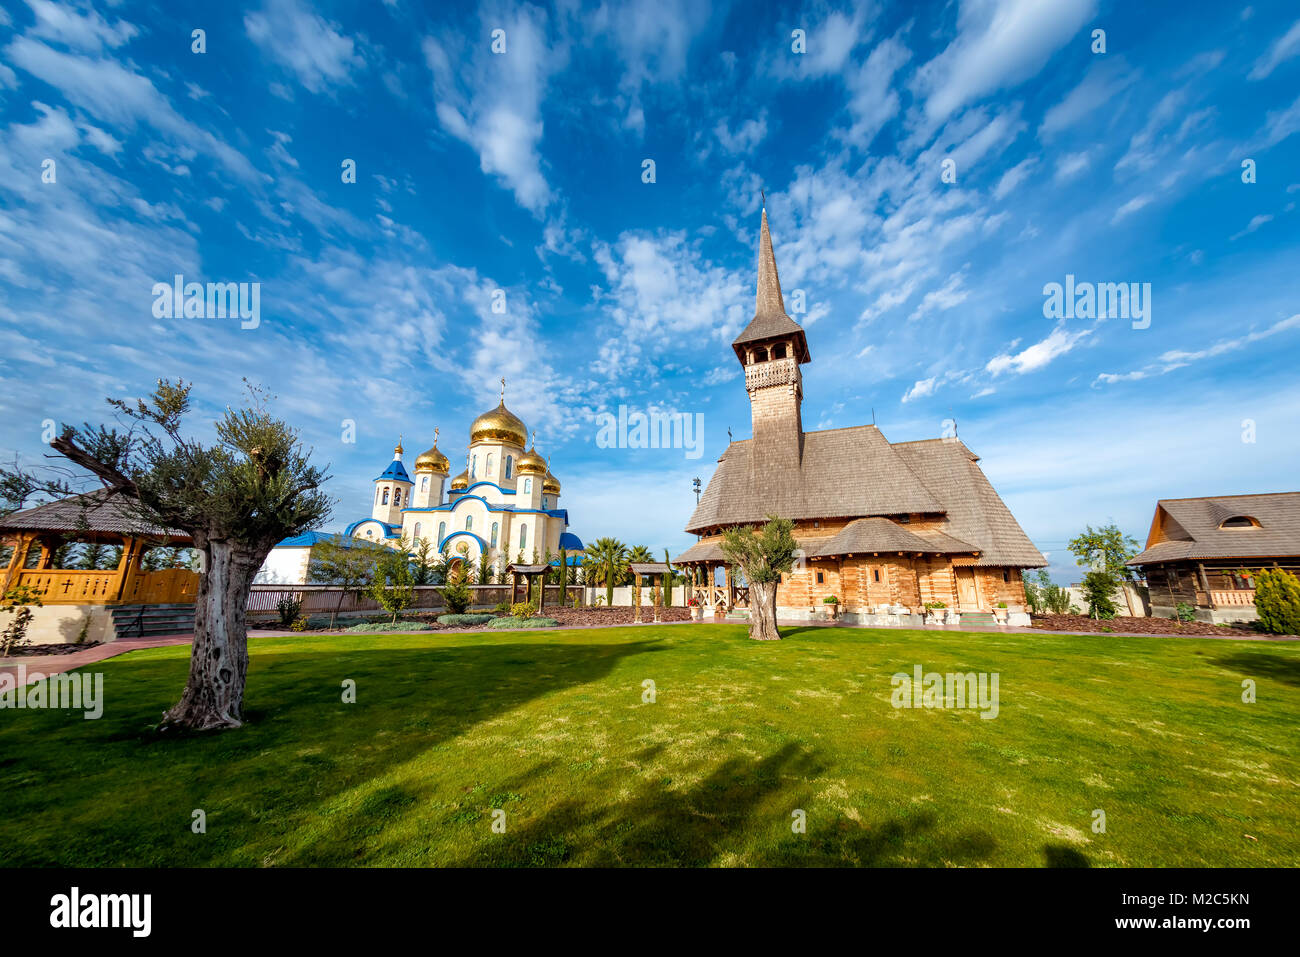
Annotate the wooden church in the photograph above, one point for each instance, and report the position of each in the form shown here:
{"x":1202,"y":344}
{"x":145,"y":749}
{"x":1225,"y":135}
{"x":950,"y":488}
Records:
{"x":884,"y":527}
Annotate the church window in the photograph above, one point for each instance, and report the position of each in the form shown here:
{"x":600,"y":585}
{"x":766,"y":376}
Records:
{"x":469,"y":523}
{"x":528,"y":485}
{"x":397,"y":497}
{"x":442,"y":531}
{"x":875,"y":574}
{"x":510,"y":466}
{"x":1006,"y":574}
{"x":473,"y":467}
{"x":821,"y":579}
{"x":543,"y":501}
{"x":778,"y":351}
{"x":495,"y":528}
{"x":424,"y":483}
{"x":417,"y":529}
{"x":523,"y":535}
{"x":487,"y":469}
{"x":385,"y":501}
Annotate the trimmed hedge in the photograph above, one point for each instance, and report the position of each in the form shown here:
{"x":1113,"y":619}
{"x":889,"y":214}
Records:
{"x":522,"y":623}
{"x":459,"y":620}
{"x":384,"y":627}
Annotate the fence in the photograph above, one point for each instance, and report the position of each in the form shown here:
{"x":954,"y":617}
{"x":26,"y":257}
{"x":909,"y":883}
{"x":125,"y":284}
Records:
{"x":324,"y":599}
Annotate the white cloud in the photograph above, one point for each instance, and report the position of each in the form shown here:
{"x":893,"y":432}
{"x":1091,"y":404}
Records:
{"x":311,"y":47}
{"x":1254,"y":224}
{"x":921,"y":388}
{"x":90,"y":32}
{"x":952,"y":293}
{"x":1105,"y":80}
{"x":1014,"y":177}
{"x":1000,"y":43}
{"x":1034,"y":357}
{"x":1283,"y":49}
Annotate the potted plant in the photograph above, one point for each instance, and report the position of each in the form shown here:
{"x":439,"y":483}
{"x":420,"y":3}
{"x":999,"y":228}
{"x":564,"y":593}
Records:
{"x":1000,"y":613}
{"x":697,"y":612}
{"x":831,"y":606}
{"x":934,"y":612}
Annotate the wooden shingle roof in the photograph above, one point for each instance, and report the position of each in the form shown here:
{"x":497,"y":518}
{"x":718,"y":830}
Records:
{"x":856,"y":472}
{"x":1190,"y":528}
{"x":97,"y":511}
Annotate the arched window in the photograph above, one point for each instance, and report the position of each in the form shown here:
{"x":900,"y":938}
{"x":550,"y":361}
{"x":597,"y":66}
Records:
{"x":385,"y":501}
{"x":469,"y":523}
{"x":424,"y":483}
{"x":528,"y":485}
{"x":495,"y":528}
{"x":543,"y":501}
{"x":523,"y":535}
{"x":442,"y":531}
{"x":510,"y":466}
{"x":417,"y":529}
{"x":1239,"y":521}
{"x":760,"y":355}
{"x":487,"y":469}
{"x":473,"y":467}
{"x":397,"y":497}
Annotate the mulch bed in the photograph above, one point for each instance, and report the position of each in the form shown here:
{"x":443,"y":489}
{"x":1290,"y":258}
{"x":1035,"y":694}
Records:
{"x":567,"y":617}
{"x":34,"y":651}
{"x":1140,"y":626}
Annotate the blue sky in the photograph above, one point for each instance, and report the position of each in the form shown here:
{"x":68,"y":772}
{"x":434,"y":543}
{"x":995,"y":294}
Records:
{"x":522,"y":171}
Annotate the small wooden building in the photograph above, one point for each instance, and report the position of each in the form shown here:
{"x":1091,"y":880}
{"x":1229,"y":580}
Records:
{"x":72,"y":597}
{"x":1202,"y":552}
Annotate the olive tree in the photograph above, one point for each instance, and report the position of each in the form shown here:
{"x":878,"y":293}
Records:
{"x":763,"y":556}
{"x":235,"y":498}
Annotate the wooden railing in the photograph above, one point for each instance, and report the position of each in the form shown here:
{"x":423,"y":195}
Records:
{"x":66,"y":586}
{"x":1238,"y":596}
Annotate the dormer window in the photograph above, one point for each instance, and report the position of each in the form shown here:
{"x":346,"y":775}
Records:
{"x":1240,"y":521}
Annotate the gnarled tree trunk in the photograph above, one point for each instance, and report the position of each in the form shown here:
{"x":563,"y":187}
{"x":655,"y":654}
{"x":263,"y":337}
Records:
{"x":214,"y":693}
{"x":762,"y":611}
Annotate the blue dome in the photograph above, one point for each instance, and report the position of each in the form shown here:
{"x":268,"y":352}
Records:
{"x":396,"y":472}
{"x":571,"y":543}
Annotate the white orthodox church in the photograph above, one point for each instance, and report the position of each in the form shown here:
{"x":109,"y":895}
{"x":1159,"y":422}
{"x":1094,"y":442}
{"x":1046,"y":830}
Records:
{"x":505,"y":504}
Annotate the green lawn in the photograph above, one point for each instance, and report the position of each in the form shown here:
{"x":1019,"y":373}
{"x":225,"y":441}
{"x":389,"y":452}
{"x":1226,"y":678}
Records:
{"x":550,"y":727}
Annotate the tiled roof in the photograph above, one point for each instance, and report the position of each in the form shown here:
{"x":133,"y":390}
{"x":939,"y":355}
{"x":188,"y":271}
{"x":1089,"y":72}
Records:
{"x":571,"y":542}
{"x":1190,"y":528}
{"x":97,"y":511}
{"x":886,"y":535}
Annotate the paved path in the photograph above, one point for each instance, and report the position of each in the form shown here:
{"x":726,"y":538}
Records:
{"x":46,"y":665}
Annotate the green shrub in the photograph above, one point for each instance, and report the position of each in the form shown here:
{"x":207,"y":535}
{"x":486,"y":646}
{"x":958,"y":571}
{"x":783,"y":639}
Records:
{"x":386,"y":627}
{"x":1277,"y":599}
{"x":288,"y":607}
{"x":501,"y":609}
{"x":522,"y":623}
{"x":456,"y":593}
{"x":299,"y":624}
{"x":1098,"y":591}
{"x":460,"y":620}
{"x":523,"y":609}
{"x":1185,"y":612}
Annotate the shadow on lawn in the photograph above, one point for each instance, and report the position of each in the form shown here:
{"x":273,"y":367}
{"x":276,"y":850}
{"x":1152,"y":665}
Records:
{"x":1252,"y":664}
{"x":301,"y":747}
{"x":739,"y":813}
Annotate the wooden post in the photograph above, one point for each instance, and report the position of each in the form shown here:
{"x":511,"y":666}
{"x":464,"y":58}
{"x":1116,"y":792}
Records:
{"x":636,"y":597}
{"x":123,"y":566}
{"x":18,"y":560}
{"x":1205,"y":583}
{"x":541,"y":593}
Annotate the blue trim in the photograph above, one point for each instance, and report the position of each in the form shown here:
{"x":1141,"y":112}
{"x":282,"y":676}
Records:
{"x":503,"y":491}
{"x":390,"y":531}
{"x":482,"y":544}
{"x":308,"y":539}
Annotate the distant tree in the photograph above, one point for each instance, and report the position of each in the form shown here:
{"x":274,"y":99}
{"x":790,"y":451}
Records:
{"x":424,"y":562}
{"x":484,"y":568}
{"x":393,"y":585}
{"x":93,"y":556}
{"x":1277,"y":599}
{"x":607,"y":564}
{"x":668,"y":581}
{"x":640,"y":555}
{"x":1105,"y":551}
{"x":763,"y":556}
{"x":1044,"y":597}
{"x":350,"y":567}
{"x":235,"y":499}
{"x":456,"y":592}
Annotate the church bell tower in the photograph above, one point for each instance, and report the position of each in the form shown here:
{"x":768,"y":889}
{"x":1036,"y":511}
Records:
{"x":771,"y":349}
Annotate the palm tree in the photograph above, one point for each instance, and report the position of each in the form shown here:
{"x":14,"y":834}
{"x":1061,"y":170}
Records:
{"x":641,"y":555}
{"x":606,"y":562}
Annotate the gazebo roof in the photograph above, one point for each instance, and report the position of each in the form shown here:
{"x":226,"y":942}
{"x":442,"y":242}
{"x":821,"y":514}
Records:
{"x":649,"y":568}
{"x":528,"y":569}
{"x":97,"y":512}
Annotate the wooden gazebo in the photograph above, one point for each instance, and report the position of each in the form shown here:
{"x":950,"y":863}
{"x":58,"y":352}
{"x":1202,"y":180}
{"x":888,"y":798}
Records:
{"x":528,"y":573}
{"x":96,"y":517}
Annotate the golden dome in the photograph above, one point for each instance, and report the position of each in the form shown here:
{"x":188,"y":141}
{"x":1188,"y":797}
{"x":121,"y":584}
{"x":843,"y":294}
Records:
{"x":551,"y":485}
{"x":432,"y":460}
{"x":499,"y":425}
{"x":530,"y":461}
{"x":460,"y":482}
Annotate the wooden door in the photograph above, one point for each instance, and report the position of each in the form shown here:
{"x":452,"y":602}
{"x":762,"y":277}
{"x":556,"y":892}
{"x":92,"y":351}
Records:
{"x":966,"y":589}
